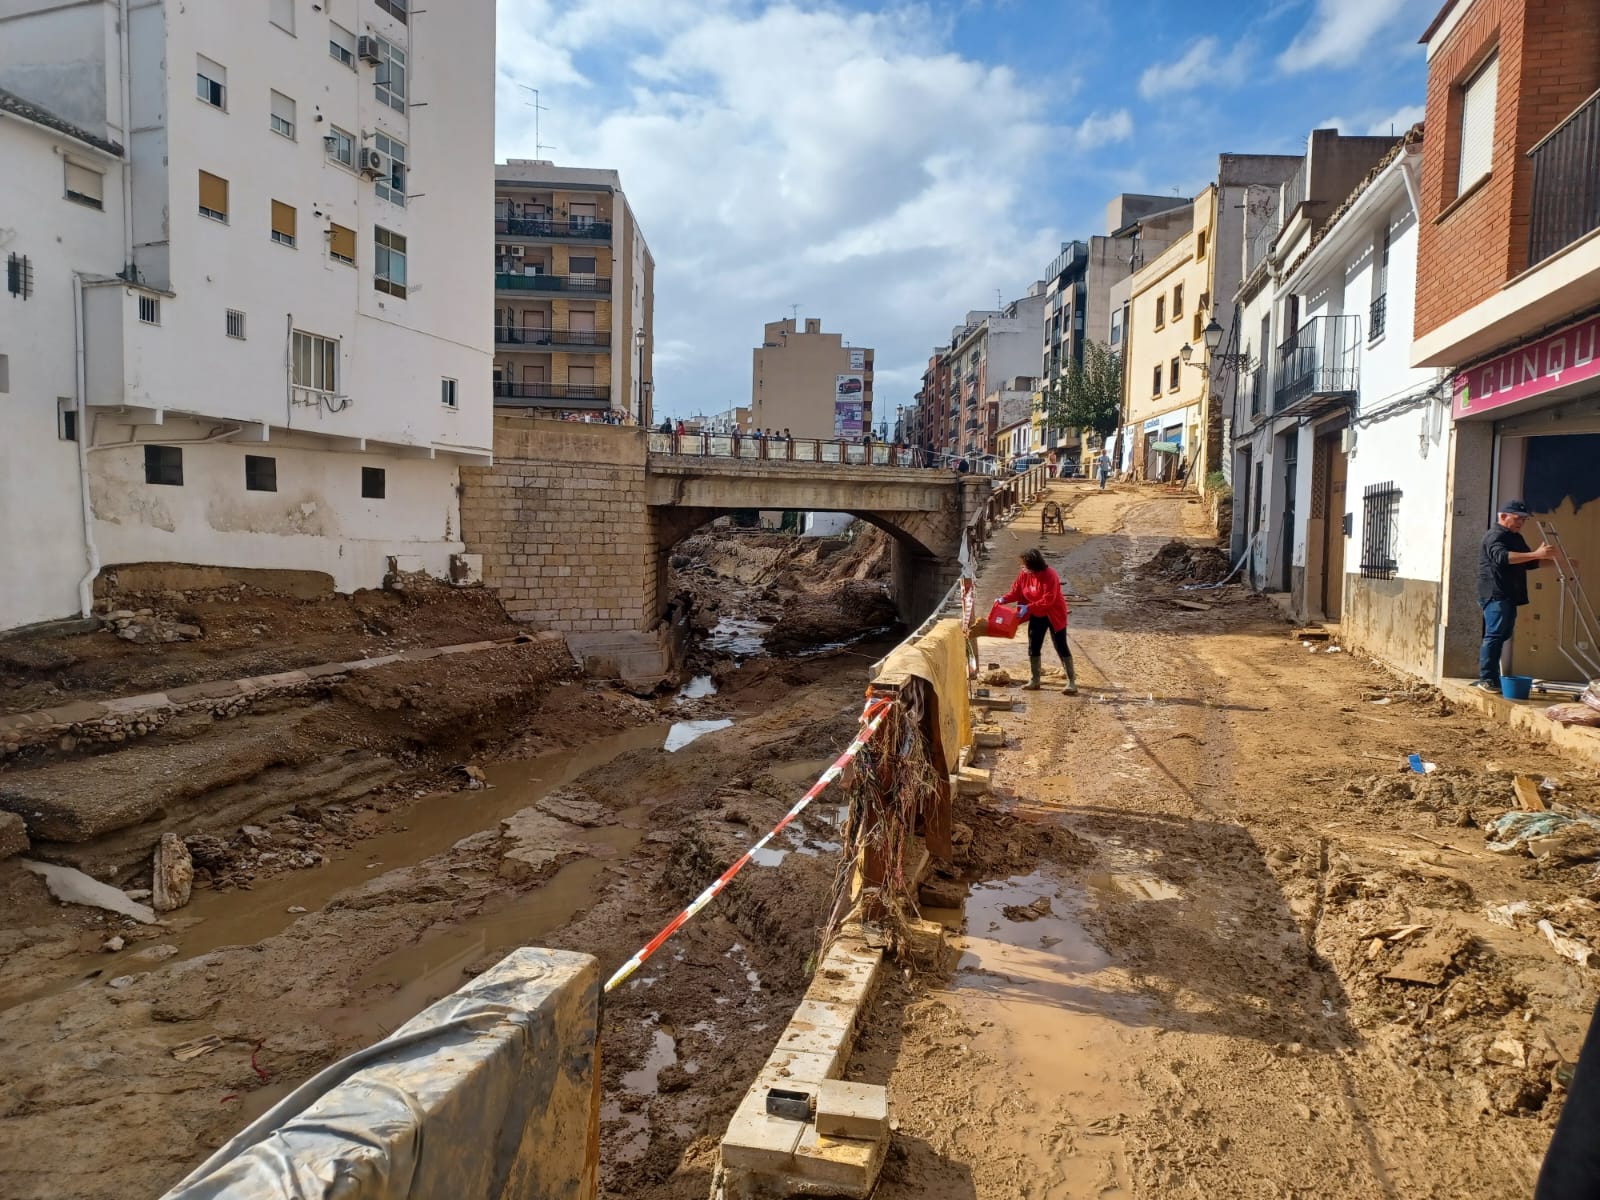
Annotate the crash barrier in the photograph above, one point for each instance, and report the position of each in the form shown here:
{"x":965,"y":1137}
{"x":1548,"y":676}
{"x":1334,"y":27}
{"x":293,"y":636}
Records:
{"x":800,"y":1128}
{"x":490,"y":1094}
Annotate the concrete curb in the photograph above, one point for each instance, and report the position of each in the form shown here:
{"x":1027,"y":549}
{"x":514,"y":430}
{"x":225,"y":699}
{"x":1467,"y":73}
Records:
{"x":1576,"y":741}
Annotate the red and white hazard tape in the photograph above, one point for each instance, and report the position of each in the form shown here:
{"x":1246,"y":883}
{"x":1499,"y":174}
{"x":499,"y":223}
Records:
{"x":871,"y":717}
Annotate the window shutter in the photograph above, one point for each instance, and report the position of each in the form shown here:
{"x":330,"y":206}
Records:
{"x":342,"y":242}
{"x":282,"y":14}
{"x":213,"y":192}
{"x":81,"y":181}
{"x":282,"y":219}
{"x":1477,"y":124}
{"x":283,"y":109}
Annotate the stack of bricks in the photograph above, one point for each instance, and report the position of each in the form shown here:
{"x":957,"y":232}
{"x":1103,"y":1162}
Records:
{"x":562,"y":523}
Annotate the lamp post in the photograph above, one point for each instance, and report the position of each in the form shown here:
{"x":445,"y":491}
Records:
{"x":638,"y":340}
{"x":1228,"y":361}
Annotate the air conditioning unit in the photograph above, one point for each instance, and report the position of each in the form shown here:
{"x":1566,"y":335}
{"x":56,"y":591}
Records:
{"x":367,"y":50}
{"x":516,"y":252}
{"x":372,"y":163}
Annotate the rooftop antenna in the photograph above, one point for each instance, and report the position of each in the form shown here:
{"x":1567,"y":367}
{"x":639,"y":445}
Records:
{"x":999,"y":300}
{"x":539,"y":147}
{"x":794,"y":312}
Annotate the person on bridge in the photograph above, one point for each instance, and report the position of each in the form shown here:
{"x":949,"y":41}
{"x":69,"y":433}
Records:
{"x":1038,"y":590}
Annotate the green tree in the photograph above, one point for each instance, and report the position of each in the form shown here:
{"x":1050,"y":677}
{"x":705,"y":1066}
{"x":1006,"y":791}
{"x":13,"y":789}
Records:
{"x":1088,"y":396}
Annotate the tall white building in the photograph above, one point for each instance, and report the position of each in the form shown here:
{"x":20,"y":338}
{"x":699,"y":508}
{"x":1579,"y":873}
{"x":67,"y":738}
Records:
{"x":270,"y":314}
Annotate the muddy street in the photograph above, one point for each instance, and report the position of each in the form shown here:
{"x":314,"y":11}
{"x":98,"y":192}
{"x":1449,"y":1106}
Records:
{"x":1268,"y":962}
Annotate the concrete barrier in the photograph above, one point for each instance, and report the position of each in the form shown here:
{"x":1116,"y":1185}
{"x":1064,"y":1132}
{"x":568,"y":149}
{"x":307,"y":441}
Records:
{"x":490,"y":1094}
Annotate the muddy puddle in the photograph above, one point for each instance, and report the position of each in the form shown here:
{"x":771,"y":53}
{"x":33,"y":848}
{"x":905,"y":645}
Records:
{"x":739,"y":636}
{"x":684,"y":733}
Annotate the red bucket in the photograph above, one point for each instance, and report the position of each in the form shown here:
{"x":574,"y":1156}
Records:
{"x":1003,"y":621}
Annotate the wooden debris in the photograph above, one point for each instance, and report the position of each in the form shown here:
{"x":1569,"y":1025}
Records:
{"x":205,"y":1045}
{"x":1310,"y":635}
{"x":1191,"y":605}
{"x":1529,"y":797}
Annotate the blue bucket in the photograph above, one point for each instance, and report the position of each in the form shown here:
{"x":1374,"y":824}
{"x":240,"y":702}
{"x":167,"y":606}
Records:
{"x":1516,"y":687}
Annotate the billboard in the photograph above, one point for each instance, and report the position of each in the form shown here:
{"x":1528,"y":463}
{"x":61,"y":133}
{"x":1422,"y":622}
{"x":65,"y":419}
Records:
{"x":858,"y":360}
{"x":848,"y":403}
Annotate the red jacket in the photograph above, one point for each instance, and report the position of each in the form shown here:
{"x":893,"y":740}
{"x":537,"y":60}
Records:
{"x":1041,"y":592}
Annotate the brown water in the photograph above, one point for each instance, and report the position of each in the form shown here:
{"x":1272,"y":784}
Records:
{"x":431,"y":826}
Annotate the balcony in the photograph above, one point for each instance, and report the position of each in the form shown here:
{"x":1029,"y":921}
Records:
{"x":573,"y":285}
{"x":551,"y":395}
{"x":554,"y":229}
{"x":1566,"y":183}
{"x":1320,"y":359}
{"x":542,"y":338}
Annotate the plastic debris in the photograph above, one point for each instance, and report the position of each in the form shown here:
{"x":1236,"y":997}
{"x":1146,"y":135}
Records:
{"x":1511,"y":831}
{"x":71,"y":886}
{"x":1507,"y":914}
{"x":1420,"y":766}
{"x":1568,"y":947}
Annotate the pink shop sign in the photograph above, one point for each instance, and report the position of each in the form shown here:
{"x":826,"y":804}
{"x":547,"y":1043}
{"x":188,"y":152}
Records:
{"x":1559,"y":360}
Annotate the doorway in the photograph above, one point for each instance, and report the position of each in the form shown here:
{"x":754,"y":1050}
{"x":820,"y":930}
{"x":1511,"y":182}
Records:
{"x":1325,"y":539}
{"x":1291,"y":455}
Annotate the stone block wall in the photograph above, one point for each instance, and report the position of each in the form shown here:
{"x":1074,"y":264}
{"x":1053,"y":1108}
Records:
{"x":563,"y":526}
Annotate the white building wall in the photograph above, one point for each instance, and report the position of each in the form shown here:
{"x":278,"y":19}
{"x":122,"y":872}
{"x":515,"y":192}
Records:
{"x":42,"y":549}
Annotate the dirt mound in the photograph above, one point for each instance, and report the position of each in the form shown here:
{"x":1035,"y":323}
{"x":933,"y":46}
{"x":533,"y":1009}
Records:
{"x":1180,"y":562}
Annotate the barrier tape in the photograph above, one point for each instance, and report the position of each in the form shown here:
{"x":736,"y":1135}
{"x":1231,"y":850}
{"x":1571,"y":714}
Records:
{"x":871,"y":717}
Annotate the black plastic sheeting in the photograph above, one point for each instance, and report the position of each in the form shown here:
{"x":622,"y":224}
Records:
{"x":1559,"y":467}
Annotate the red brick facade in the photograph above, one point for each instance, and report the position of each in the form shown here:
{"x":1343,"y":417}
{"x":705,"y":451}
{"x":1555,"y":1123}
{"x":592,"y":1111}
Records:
{"x":1468,"y":247}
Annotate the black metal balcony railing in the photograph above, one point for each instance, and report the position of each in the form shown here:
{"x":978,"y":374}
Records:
{"x":576,"y":285}
{"x":578,"y":395}
{"x":552,"y":227}
{"x":1377,"y":317}
{"x":539,"y":337}
{"x":1257,"y":385}
{"x":1566,"y":183}
{"x":1321,"y":358}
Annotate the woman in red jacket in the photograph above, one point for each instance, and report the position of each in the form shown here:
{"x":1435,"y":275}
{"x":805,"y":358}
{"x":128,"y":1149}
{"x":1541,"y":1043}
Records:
{"x":1038,"y":590}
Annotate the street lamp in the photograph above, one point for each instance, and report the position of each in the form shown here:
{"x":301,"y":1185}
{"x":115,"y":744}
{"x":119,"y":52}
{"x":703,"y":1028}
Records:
{"x":638,"y":340}
{"x":1212,"y":334}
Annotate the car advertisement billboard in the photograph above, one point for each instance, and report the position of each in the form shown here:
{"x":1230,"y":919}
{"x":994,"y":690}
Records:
{"x":848,"y":403}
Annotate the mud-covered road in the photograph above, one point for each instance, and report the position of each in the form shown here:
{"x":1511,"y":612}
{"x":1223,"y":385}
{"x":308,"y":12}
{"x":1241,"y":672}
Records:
{"x":1212,"y":1005}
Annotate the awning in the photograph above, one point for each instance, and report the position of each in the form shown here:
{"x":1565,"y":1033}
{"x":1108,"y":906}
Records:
{"x":1167,"y":447}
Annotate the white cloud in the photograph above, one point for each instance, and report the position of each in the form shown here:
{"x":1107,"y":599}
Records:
{"x":1340,"y":31}
{"x":1397,"y":122}
{"x":1204,"y":65}
{"x":845,"y":162}
{"x":1101,"y":129}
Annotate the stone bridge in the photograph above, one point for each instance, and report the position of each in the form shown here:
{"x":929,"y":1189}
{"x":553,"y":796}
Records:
{"x":576,"y":523}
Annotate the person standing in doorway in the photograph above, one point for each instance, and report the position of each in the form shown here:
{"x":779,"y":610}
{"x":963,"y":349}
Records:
{"x":1504,"y":561}
{"x":1038,"y":590}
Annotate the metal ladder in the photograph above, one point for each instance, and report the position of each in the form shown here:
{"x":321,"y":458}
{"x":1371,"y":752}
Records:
{"x":1583,"y":652}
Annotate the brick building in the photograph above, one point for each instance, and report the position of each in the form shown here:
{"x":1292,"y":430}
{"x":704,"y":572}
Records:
{"x":1508,"y":294}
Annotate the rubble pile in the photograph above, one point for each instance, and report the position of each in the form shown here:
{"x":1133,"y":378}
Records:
{"x":1180,"y":562}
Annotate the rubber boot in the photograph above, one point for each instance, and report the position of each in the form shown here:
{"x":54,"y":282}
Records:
{"x":1072,"y":678}
{"x":1035,"y":665}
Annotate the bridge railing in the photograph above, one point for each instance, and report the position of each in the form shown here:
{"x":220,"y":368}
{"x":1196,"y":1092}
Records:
{"x":802,"y":450}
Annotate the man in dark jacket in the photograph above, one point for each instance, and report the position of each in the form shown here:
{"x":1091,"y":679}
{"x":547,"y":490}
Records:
{"x":1503,"y":565}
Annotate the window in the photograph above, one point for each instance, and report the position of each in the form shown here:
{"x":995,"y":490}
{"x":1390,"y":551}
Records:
{"x":1200,"y":244}
{"x":85,"y":185}
{"x":1477,"y":124}
{"x":390,"y":80}
{"x":395,"y":8}
{"x":392,"y":187}
{"x":373,"y":483}
{"x":283,"y":223}
{"x":1380,"y":524}
{"x":316,"y":363}
{"x":213,"y":197}
{"x":211,"y":82}
{"x":1155,"y":389}
{"x":341,"y":45}
{"x":1378,"y":317}
{"x":341,"y":146}
{"x":581,"y":266}
{"x":5,"y":374}
{"x":281,"y":14}
{"x":1177,"y":302}
{"x":342,"y":244}
{"x":1199,"y":329}
{"x":283,"y":115}
{"x":260,"y":473}
{"x":150,"y":310}
{"x":581,"y":215}
{"x":164,"y":465}
{"x":448,"y":393}
{"x":234,"y":324}
{"x":1174,"y":371}
{"x":389,"y":262}
{"x":1161,"y":311}
{"x":67,"y":428}
{"x":1116,"y":327}
{"x":19,"y":276}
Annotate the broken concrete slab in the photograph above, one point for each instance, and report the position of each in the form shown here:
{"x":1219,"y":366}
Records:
{"x":13,"y":836}
{"x":172,"y":873}
{"x":973,"y":781}
{"x":71,"y":886}
{"x":988,"y":736}
{"x":852,"y":1110}
{"x":1429,"y":957}
{"x":533,"y":843}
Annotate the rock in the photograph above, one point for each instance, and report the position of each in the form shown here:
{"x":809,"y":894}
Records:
{"x":255,"y":835}
{"x":1028,"y":912}
{"x":123,"y":981}
{"x":71,"y":886}
{"x":296,"y":908}
{"x":1507,"y":1051}
{"x":209,"y":851}
{"x":112,"y":944}
{"x":13,"y":835}
{"x":942,"y":893}
{"x":188,"y":633}
{"x":156,"y":953}
{"x":173,"y":874}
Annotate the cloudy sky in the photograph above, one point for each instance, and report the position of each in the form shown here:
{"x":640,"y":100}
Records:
{"x":888,"y":167}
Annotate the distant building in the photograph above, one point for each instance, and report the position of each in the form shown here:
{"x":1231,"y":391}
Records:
{"x":574,"y":292}
{"x":988,"y":349}
{"x":285,"y":348}
{"x":810,"y":383}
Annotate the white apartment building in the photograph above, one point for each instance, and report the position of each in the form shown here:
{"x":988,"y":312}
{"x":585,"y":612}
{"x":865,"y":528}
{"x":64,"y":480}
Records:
{"x":284,"y":320}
